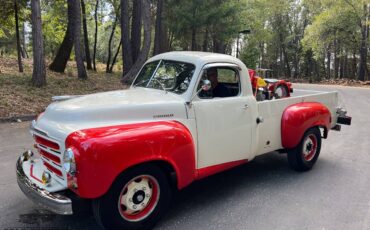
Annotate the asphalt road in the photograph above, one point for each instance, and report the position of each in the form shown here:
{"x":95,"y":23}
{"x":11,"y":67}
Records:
{"x":264,"y":194}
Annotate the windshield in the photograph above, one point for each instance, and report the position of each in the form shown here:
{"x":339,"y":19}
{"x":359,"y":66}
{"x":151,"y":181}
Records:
{"x":171,"y":76}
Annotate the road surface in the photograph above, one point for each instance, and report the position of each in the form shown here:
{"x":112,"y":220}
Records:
{"x":264,"y":194}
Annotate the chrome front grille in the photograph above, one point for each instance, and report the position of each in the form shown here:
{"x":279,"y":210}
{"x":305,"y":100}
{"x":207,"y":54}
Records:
{"x":51,"y":154}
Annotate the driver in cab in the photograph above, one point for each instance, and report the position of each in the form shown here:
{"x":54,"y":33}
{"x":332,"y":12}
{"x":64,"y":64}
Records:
{"x":218,"y":89}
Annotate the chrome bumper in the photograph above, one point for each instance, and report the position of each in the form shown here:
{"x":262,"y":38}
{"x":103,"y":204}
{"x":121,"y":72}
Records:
{"x":54,"y":202}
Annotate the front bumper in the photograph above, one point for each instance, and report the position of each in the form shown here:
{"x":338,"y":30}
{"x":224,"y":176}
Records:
{"x":54,"y":202}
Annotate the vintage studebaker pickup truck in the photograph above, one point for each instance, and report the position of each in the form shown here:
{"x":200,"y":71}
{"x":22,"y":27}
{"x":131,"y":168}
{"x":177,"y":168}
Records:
{"x":186,"y":116}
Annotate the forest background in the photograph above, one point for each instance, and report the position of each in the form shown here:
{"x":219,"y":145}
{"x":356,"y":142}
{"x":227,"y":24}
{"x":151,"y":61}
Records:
{"x":53,"y":47}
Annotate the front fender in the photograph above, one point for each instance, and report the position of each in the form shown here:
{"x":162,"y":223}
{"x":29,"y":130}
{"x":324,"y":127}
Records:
{"x":298,"y":118}
{"x":103,"y":153}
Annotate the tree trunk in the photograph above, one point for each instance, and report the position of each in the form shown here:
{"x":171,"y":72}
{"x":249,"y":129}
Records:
{"x":205,"y":41}
{"x":115,"y":57}
{"x":354,"y":65}
{"x":20,"y":64}
{"x":60,"y":61}
{"x":218,"y":46}
{"x":96,"y":33}
{"x":345,"y":68}
{"x":39,"y":73}
{"x":288,"y":72}
{"x":318,"y":70}
{"x":77,"y":39}
{"x":158,"y":37}
{"x":165,"y":45}
{"x":125,"y":37}
{"x":171,"y":38}
{"x":363,"y":48}
{"x":296,"y":62}
{"x":262,"y":54}
{"x":146,"y":45}
{"x":341,"y":66}
{"x":136,"y":29}
{"x":86,"y":37}
{"x":323,"y":65}
{"x":193,"y":39}
{"x":286,"y":60}
{"x":24,"y":41}
{"x":336,"y":59}
{"x":110,"y":44}
{"x":328,"y":63}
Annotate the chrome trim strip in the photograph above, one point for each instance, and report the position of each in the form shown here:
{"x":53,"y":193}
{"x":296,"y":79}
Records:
{"x":49,"y":150}
{"x":54,"y":202}
{"x":47,"y":138}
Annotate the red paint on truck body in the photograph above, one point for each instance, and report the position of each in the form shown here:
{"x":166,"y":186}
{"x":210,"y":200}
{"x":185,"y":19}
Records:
{"x":298,"y":118}
{"x":101,"y":154}
{"x":208,"y":171}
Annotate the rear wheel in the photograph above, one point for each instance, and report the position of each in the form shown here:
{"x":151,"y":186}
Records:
{"x":305,"y":154}
{"x":281,"y":91}
{"x":136,"y":200}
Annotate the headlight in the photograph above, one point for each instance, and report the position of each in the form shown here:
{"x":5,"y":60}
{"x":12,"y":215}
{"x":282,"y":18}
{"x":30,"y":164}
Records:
{"x":69,"y":163}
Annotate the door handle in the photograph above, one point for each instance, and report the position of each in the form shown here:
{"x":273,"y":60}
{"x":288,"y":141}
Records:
{"x":245,"y":106}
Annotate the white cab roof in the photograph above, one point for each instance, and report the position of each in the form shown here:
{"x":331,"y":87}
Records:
{"x":197,"y":58}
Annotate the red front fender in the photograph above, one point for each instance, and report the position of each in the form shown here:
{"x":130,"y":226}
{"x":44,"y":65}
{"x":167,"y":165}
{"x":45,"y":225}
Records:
{"x":298,"y":118}
{"x":103,"y":153}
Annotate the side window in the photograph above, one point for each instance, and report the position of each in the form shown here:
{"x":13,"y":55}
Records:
{"x":225,"y":82}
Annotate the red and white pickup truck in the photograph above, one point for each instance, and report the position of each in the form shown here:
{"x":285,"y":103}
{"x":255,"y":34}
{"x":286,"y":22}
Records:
{"x":186,"y":116}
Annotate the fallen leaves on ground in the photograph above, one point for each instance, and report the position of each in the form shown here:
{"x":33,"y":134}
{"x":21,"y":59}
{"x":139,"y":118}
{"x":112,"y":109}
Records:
{"x":18,"y":97}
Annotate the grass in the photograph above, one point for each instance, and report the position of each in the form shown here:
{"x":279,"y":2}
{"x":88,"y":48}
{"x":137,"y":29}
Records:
{"x":18,"y":97}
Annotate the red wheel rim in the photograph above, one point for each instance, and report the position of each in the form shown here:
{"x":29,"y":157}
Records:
{"x":138,"y":198}
{"x":309,"y":147}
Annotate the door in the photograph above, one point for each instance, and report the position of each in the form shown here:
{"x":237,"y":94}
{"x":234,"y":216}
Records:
{"x":224,"y":122}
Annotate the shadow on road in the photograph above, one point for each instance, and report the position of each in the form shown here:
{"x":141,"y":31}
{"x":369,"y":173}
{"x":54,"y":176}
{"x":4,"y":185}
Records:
{"x":270,"y":171}
{"x":267,"y":172}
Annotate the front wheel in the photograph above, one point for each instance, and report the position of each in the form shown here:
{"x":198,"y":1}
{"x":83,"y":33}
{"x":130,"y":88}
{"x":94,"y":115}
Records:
{"x":136,"y":200}
{"x":305,"y":154}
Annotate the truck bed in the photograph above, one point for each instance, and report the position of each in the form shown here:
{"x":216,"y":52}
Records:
{"x":269,"y":131}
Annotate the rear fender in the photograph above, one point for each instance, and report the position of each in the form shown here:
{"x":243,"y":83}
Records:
{"x":104,"y":153}
{"x":298,"y":118}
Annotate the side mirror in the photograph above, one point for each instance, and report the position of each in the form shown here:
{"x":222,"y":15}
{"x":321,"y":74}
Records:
{"x":206,"y":86}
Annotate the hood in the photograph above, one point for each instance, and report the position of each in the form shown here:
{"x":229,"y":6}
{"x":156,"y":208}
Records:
{"x":110,"y":108}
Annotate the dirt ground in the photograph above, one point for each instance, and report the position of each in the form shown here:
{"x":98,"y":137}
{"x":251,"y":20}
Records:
{"x":18,"y":97}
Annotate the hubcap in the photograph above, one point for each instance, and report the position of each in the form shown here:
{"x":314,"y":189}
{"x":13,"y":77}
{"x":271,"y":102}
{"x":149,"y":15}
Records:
{"x":138,"y":198}
{"x":280,"y":92}
{"x":309,"y":147}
